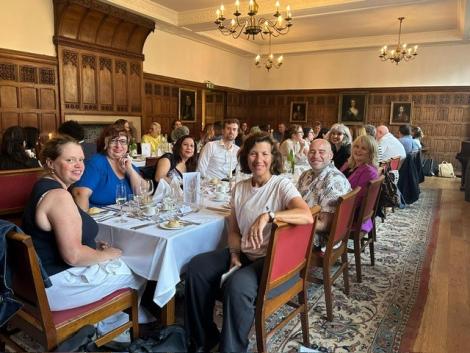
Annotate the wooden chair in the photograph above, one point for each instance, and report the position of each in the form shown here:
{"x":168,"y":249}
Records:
{"x":367,"y":212}
{"x":339,"y":234}
{"x":15,"y":188}
{"x":395,"y":163}
{"x":51,"y":328}
{"x":284,"y":277}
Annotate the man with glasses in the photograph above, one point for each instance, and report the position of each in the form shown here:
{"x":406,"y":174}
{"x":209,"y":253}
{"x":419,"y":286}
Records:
{"x":218,"y":159}
{"x":322,"y":185}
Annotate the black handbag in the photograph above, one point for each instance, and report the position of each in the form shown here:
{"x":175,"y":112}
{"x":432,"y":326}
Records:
{"x":169,"y":339}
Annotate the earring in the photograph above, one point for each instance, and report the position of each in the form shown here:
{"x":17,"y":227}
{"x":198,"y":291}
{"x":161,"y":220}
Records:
{"x":52,"y":171}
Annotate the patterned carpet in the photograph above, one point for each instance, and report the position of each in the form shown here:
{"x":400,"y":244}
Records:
{"x":374,"y":317}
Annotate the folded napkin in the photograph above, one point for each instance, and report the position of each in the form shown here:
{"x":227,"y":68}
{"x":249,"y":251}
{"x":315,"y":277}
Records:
{"x":163,"y":190}
{"x":96,"y":273}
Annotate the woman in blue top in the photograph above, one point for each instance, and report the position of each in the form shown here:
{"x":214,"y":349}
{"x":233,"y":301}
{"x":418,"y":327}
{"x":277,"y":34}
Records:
{"x":107,"y":168}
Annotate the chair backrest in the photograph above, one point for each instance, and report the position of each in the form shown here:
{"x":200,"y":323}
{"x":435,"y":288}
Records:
{"x":288,"y":252}
{"x":15,"y":188}
{"x":370,"y":201}
{"x":343,"y":218}
{"x":27,"y":282}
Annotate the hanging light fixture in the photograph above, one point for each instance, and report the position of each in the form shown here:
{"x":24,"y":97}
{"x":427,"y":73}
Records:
{"x":270,"y":60}
{"x":252,"y":26}
{"x":401,"y":52}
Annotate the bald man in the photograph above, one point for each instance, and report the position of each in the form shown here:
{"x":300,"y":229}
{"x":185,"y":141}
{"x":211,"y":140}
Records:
{"x":389,"y":145}
{"x":322,"y":185}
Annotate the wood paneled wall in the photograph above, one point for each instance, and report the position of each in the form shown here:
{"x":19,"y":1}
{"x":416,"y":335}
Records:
{"x":28,"y":91}
{"x":161,"y":103}
{"x":95,"y":82}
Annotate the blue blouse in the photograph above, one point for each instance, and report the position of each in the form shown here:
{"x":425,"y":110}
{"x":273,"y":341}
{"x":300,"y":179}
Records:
{"x":99,"y":176}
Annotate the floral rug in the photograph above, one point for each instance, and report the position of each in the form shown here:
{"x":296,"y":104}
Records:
{"x":375,"y":315}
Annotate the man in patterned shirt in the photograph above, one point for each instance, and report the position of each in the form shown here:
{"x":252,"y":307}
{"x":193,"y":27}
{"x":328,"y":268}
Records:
{"x":322,"y":185}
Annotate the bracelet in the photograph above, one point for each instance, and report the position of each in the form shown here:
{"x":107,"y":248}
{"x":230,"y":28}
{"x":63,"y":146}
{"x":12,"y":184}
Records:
{"x":234,"y":251}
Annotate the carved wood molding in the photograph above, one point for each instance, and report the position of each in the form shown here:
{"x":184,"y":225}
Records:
{"x":29,"y":57}
{"x":94,"y":24}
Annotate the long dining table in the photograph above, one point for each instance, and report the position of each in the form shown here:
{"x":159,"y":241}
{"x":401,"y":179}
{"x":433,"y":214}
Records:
{"x":160,"y":254}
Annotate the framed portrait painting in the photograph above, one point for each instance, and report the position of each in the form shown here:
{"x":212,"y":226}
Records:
{"x":352,"y":108}
{"x":400,"y":113}
{"x":298,"y":112}
{"x":187,"y":105}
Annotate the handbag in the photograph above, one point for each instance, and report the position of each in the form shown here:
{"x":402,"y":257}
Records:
{"x":169,"y":339}
{"x":446,"y":170}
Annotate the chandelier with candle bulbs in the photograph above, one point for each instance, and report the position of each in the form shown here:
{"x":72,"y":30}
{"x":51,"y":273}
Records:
{"x":270,"y":60}
{"x":401,"y":52}
{"x":252,"y":26}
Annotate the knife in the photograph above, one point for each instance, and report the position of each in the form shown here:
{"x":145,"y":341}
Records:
{"x":142,"y":226}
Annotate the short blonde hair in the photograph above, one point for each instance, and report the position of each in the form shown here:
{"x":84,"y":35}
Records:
{"x":371,"y":146}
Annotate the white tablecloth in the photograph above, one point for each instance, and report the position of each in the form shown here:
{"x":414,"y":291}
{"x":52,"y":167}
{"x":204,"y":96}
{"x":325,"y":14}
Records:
{"x":160,"y":255}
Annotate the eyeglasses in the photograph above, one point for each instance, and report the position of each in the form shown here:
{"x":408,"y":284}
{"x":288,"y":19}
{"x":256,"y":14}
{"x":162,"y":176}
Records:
{"x":336,"y":133}
{"x":122,"y":142}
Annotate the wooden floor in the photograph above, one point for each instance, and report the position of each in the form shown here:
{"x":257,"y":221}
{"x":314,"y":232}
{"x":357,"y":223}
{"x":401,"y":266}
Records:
{"x":445,"y":325}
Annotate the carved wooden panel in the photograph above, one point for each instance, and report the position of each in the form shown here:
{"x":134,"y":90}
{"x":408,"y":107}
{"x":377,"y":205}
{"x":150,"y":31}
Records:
{"x":89,"y":82}
{"x":28,"y":88}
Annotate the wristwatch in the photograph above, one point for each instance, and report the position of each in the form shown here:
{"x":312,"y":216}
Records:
{"x":272,"y":216}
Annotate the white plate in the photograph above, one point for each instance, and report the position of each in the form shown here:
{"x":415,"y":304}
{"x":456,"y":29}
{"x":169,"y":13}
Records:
{"x":164,"y":226}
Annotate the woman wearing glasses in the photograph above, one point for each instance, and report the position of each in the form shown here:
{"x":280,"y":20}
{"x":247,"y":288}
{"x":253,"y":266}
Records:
{"x":107,"y":168}
{"x":294,"y":141}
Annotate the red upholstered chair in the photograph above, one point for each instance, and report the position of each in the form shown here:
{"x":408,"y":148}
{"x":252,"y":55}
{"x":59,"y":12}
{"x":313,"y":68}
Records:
{"x":339,"y":234}
{"x":395,"y":163}
{"x":50,"y":328}
{"x":367,"y":211}
{"x":284,"y":277}
{"x":15,"y":188}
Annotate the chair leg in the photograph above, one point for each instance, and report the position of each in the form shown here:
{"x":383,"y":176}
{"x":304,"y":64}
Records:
{"x":135,"y":316}
{"x":344,"y":260}
{"x":328,"y":292}
{"x":304,"y":318}
{"x":357,"y":257}
{"x":372,"y":253}
{"x":260,"y":334}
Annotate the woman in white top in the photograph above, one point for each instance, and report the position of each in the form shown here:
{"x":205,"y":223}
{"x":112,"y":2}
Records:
{"x":256,"y":202}
{"x":294,"y":141}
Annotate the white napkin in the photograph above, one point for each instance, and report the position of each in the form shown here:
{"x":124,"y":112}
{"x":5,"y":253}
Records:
{"x":97,"y":273}
{"x":163,"y":190}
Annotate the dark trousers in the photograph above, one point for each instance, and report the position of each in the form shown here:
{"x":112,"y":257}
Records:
{"x":202,"y":288}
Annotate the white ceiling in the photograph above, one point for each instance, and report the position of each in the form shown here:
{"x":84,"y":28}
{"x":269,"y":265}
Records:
{"x":318,"y":25}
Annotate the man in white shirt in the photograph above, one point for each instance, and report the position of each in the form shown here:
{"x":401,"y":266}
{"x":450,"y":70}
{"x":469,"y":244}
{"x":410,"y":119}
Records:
{"x":219,"y":158}
{"x":391,"y":147}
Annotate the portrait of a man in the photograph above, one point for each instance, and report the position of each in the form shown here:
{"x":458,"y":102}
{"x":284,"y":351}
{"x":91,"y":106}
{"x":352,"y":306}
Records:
{"x":352,"y":108}
{"x":187,"y":105}
{"x":400,"y":113}
{"x":298,"y":112}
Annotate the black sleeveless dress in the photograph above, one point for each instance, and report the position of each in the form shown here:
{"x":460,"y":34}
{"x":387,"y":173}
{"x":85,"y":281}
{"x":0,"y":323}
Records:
{"x":45,"y":243}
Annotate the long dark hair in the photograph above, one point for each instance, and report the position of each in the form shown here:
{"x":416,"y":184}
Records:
{"x":13,"y":144}
{"x":191,"y":163}
{"x":276,"y":164}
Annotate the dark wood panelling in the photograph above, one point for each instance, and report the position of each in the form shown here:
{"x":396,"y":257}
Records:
{"x":28,"y":91}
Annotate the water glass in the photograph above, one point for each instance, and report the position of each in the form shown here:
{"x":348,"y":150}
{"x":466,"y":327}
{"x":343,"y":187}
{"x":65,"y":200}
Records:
{"x":121,"y":199}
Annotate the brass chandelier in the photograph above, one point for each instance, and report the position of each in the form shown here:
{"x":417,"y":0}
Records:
{"x":252,"y":26}
{"x":401,"y":52}
{"x":270,"y":61}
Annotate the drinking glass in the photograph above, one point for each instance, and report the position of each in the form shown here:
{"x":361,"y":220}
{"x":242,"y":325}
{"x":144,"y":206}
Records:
{"x":147,"y":188}
{"x":121,"y":199}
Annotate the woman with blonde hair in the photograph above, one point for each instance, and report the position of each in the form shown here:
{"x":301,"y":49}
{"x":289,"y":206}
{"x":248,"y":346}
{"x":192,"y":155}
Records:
{"x":340,"y":138}
{"x":362,"y":168}
{"x":154,"y":137}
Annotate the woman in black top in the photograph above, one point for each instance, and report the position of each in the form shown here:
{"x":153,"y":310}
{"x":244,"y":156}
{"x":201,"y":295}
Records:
{"x":13,"y":154}
{"x":182,"y":160}
{"x":64,"y":235}
{"x":340,"y":139}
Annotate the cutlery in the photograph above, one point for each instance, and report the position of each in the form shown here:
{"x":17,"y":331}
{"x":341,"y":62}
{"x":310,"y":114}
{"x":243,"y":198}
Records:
{"x":142,"y":226}
{"x":105,"y":218}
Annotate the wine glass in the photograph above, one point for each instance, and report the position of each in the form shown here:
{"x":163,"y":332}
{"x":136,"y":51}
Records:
{"x":121,"y":199}
{"x":147,"y":188}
